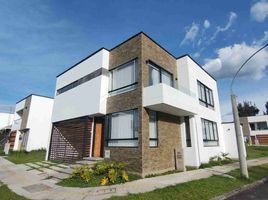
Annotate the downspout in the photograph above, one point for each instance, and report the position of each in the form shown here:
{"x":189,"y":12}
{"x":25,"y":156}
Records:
{"x":197,"y":140}
{"x":92,"y":137}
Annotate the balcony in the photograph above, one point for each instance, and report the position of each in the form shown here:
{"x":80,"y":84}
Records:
{"x":16,"y":124}
{"x":164,"y":98}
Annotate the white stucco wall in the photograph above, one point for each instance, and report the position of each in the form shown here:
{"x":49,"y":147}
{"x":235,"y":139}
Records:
{"x":88,"y":98}
{"x":188,"y":74}
{"x":39,"y":122}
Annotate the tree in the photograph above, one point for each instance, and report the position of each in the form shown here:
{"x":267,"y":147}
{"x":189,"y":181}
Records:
{"x":266,"y":106}
{"x":247,"y":109}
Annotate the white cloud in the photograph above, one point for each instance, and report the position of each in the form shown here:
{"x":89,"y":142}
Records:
{"x":230,"y":22}
{"x":191,"y":34}
{"x":230,"y":58}
{"x":263,"y":40}
{"x":196,"y":55}
{"x":206,"y":24}
{"x":259,"y":11}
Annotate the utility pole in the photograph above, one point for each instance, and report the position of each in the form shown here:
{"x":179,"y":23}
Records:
{"x":239,"y":138}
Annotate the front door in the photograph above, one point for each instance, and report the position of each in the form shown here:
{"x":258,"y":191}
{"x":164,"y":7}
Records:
{"x":98,"y":137}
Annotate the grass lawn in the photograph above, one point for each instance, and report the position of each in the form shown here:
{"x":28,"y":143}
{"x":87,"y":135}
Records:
{"x":94,"y":182}
{"x":256,"y":152}
{"x":19,"y":157}
{"x":201,"y":189}
{"x":7,"y":194}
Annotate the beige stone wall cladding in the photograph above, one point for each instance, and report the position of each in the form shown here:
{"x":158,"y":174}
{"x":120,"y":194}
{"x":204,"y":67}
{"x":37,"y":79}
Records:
{"x":127,"y":101}
{"x":143,"y":159}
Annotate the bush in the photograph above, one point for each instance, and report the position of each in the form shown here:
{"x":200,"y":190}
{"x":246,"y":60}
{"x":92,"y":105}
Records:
{"x":111,"y":172}
{"x":222,"y":159}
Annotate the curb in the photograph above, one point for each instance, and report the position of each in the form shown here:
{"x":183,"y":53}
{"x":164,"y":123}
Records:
{"x":241,"y":189}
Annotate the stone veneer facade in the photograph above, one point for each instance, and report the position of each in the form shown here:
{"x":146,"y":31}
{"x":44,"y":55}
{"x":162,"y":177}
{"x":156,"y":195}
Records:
{"x":145,"y":159}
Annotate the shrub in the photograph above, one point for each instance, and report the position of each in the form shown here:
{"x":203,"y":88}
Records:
{"x":111,"y":172}
{"x":84,"y":172}
{"x":221,"y":159}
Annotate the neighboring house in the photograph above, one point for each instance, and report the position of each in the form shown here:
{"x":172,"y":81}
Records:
{"x":6,"y":115}
{"x":32,"y":123}
{"x":255,"y":128}
{"x":137,"y":103}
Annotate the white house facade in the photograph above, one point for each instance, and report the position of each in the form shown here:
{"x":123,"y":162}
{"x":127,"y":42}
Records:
{"x":32,"y":123}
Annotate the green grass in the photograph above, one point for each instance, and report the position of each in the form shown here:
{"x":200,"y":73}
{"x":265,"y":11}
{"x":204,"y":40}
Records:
{"x":94,"y":182}
{"x":19,"y":157}
{"x":2,"y":153}
{"x":201,"y":189}
{"x":256,"y":152}
{"x":7,"y":194}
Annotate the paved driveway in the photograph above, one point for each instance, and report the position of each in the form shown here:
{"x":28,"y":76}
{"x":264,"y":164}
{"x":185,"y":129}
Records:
{"x":258,"y":193}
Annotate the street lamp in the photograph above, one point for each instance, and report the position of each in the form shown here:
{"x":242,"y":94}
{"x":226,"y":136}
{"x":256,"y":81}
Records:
{"x":239,"y":138}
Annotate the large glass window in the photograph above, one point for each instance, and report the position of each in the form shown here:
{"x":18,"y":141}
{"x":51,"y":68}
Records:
{"x":210,"y":133}
{"x":153,"y":129}
{"x":123,"y":129}
{"x":258,"y":126}
{"x":123,"y":78}
{"x":205,"y":95}
{"x":187,"y":131}
{"x":159,"y":75}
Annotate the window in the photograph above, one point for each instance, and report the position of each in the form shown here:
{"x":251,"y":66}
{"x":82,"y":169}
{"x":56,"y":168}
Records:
{"x":258,"y":126}
{"x":123,"y":78}
{"x":123,"y":129}
{"x":159,"y":75}
{"x":210,"y":133}
{"x":205,"y":95}
{"x":153,"y":129}
{"x":187,"y":131}
{"x":96,"y":73}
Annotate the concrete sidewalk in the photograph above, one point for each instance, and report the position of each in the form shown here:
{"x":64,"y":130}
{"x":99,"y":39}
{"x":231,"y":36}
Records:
{"x":33,"y":186}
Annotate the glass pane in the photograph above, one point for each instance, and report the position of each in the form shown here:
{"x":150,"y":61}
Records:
{"x":152,"y":124}
{"x":123,"y":143}
{"x":153,"y":143}
{"x":122,"y":125}
{"x":166,"y":78}
{"x":154,"y":75}
{"x":123,"y":76}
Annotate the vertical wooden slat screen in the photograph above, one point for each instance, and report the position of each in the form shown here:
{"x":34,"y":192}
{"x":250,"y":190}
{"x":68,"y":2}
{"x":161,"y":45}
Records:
{"x":70,"y":140}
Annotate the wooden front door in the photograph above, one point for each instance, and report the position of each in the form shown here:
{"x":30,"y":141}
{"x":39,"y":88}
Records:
{"x":12,"y":139}
{"x":98,"y":137}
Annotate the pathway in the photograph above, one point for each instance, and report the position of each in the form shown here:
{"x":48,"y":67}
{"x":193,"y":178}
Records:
{"x":35,"y":184}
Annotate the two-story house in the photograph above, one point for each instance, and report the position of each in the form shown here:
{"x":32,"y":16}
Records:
{"x":31,"y":127}
{"x":255,"y":129}
{"x":139,"y":104}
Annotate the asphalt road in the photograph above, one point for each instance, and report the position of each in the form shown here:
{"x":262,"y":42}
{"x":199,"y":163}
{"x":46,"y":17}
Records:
{"x":257,"y":193}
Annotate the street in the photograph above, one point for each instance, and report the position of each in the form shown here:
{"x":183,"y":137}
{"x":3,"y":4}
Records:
{"x":257,"y":193}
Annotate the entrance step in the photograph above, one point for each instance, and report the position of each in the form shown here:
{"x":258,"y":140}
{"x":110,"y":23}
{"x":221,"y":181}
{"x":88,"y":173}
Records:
{"x":93,"y":158}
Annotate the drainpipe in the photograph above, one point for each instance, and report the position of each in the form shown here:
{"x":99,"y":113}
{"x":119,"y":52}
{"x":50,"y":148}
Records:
{"x":197,"y":140}
{"x":92,"y":137}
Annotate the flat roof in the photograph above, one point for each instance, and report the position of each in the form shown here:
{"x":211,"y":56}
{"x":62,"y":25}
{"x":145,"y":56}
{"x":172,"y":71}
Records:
{"x":34,"y":95}
{"x":92,"y":54}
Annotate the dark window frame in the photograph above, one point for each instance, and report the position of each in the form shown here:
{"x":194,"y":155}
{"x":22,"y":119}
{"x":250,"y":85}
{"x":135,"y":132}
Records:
{"x":111,"y":90}
{"x":207,"y":134}
{"x":161,"y":70}
{"x":207,"y":101}
{"x":108,"y":129}
{"x":188,"y":131}
{"x":157,"y":135}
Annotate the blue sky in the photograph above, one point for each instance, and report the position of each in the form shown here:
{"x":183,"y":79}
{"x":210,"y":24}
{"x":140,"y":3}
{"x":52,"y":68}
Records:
{"x":40,"y":39}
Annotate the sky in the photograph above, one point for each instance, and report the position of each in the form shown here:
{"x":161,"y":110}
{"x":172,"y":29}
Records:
{"x":41,"y":38}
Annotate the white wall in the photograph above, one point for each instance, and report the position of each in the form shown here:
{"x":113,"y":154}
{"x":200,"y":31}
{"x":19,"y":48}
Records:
{"x":230,"y":139}
{"x":6,"y":119}
{"x":88,"y":98}
{"x":39,"y":122}
{"x":188,"y":74}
